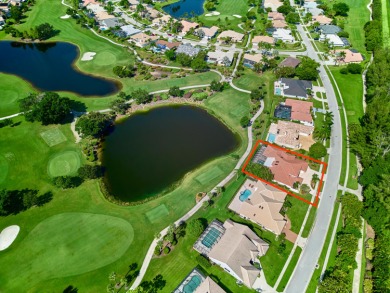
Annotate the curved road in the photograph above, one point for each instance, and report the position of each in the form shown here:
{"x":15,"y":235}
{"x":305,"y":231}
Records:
{"x":308,"y":260}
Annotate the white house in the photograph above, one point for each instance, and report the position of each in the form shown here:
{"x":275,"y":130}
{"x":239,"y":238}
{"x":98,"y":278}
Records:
{"x":217,"y":57}
{"x":283,"y":35}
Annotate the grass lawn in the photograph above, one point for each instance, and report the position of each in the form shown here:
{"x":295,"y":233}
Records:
{"x":317,"y":273}
{"x":289,"y":270}
{"x":309,"y":222}
{"x":297,"y":212}
{"x":19,"y":144}
{"x":386,"y":23}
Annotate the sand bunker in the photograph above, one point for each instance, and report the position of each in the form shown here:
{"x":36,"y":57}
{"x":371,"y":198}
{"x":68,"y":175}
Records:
{"x":65,"y":16}
{"x":238,"y":16}
{"x":213,"y":13}
{"x":88,"y":56}
{"x":8,"y":235}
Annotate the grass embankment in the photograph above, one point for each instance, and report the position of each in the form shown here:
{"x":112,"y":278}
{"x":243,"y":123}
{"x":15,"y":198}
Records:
{"x":107,"y":56}
{"x":317,"y":273}
{"x":386,"y":23}
{"x":289,"y":270}
{"x":21,"y":143}
{"x":351,"y":88}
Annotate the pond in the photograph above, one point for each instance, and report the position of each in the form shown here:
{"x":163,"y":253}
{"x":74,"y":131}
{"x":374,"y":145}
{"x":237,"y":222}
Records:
{"x":185,"y":8}
{"x":148,"y":152}
{"x":49,"y":67}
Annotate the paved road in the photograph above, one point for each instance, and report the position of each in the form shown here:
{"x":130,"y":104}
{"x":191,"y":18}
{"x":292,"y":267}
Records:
{"x":306,"y":265}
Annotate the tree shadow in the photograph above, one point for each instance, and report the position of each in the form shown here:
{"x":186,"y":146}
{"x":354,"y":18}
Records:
{"x":44,"y":198}
{"x":78,"y":106}
{"x":70,"y":289}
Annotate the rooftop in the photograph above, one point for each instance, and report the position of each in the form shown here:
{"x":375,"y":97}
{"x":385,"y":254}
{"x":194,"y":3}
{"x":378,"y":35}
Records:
{"x":289,"y":134}
{"x":263,"y":39}
{"x":254,"y":58}
{"x":290,"y":62}
{"x":329,"y":29}
{"x":300,"y":110}
{"x":236,"y":37}
{"x":188,"y":49}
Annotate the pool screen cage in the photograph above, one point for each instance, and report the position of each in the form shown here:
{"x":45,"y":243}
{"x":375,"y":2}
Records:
{"x":209,"y":237}
{"x":283,"y":112}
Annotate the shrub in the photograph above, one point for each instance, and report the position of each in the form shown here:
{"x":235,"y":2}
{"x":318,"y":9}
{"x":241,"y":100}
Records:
{"x":344,"y":70}
{"x":167,"y":250}
{"x":317,"y":150}
{"x":199,"y":96}
{"x":195,"y":227}
{"x":204,"y":262}
{"x":354,"y":68}
{"x":66,"y":182}
{"x":90,"y":172}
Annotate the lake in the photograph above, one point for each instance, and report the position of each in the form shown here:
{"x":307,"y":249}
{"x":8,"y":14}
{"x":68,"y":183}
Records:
{"x":185,"y":8}
{"x":148,"y":152}
{"x":49,"y":67}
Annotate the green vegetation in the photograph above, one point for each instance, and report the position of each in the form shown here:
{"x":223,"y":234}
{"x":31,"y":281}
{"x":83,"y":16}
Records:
{"x":93,"y":124}
{"x":260,"y":171}
{"x":386,"y":23}
{"x":64,"y":163}
{"x":289,"y":270}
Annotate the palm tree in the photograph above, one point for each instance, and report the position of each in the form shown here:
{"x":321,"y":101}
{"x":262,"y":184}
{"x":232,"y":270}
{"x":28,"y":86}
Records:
{"x":314,"y":179}
{"x":342,"y":56}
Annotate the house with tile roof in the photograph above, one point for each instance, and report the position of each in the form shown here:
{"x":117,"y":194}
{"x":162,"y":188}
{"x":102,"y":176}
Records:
{"x":273,"y":4}
{"x":300,"y":111}
{"x":142,"y":39}
{"x":322,"y":19}
{"x":293,"y":88}
{"x":290,"y":134}
{"x":237,"y":250}
{"x":236,"y":37}
{"x":351,"y":56}
{"x":290,"y":62}
{"x":287,"y":168}
{"x":257,"y":41}
{"x":209,"y":286}
{"x":165,"y":45}
{"x":209,"y":32}
{"x":275,"y":16}
{"x":187,"y":26}
{"x":249,"y":60}
{"x":279,"y":24}
{"x":262,"y":206}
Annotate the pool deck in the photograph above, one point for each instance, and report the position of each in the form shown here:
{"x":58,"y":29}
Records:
{"x":194,"y":272}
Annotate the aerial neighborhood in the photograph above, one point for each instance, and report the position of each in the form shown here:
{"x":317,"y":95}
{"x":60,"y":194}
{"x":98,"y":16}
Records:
{"x":194,"y":146}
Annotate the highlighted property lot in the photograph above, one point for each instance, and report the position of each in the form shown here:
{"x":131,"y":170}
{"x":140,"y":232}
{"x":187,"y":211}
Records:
{"x":290,"y":169}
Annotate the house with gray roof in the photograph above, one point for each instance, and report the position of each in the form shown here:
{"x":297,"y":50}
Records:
{"x":294,"y":88}
{"x":188,"y":49}
{"x":329,"y":29}
{"x":130,"y":30}
{"x":110,"y":23}
{"x":290,"y":62}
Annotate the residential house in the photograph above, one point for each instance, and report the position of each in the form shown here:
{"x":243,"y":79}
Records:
{"x":85,"y":3}
{"x":322,"y":19}
{"x":165,"y":45}
{"x":333,"y":40}
{"x":273,"y":4}
{"x":311,"y":7}
{"x":109,"y":23}
{"x":287,"y":168}
{"x":209,"y":32}
{"x":218,"y":57}
{"x":279,"y":23}
{"x":262,"y":206}
{"x":102,"y":15}
{"x":236,"y":37}
{"x":235,"y":248}
{"x":275,"y":16}
{"x":2,"y":22}
{"x":351,"y":56}
{"x":95,"y":7}
{"x":187,"y":26}
{"x":258,"y":41}
{"x":130,"y":30}
{"x":291,"y":135}
{"x":290,"y":62}
{"x":300,"y":111}
{"x":329,"y":29}
{"x":250,"y":60}
{"x":293,"y":88}
{"x":188,"y":49}
{"x":150,"y":13}
{"x":161,"y":21}
{"x":283,"y":35}
{"x":142,"y":39}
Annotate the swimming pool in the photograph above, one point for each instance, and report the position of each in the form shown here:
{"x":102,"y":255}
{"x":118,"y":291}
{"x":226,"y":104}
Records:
{"x":245,"y":195}
{"x":278,"y":91}
{"x":192,"y":284}
{"x":211,"y":237}
{"x":271,"y":137}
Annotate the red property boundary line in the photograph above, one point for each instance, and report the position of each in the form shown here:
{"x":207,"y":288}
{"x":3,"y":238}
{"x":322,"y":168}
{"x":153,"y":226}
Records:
{"x":325,"y":166}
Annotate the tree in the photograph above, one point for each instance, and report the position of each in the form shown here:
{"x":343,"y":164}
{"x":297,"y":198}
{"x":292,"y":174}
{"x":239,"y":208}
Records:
{"x":124,"y":3}
{"x":216,"y":86}
{"x":305,"y":189}
{"x":341,"y":9}
{"x":66,"y":182}
{"x":285,"y":71}
{"x":184,"y":59}
{"x":244,"y":121}
{"x":257,"y":94}
{"x":285,"y":8}
{"x":119,"y":106}
{"x":123,"y":71}
{"x":314,"y":179}
{"x":307,"y":69}
{"x":94,"y":124}
{"x":226,"y":61}
{"x":209,"y":5}
{"x":90,"y":172}
{"x":198,"y":64}
{"x":195,"y":227}
{"x":317,"y":150}
{"x":292,"y":17}
{"x":170,"y":54}
{"x":44,"y":31}
{"x":200,"y":33}
{"x":175,"y":91}
{"x":141,"y":96}
{"x":354,"y":68}
{"x":47,"y":108}
{"x":251,"y":14}
{"x":260,"y":171}
{"x":170,"y":233}
{"x":15,"y":13}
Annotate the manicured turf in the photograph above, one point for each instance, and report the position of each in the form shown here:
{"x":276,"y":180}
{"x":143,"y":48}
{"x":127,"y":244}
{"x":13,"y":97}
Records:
{"x":53,"y":136}
{"x":12,"y":89}
{"x":68,"y":244}
{"x":3,"y":168}
{"x":309,"y":222}
{"x":386,"y":23}
{"x":157,"y":213}
{"x":289,"y":270}
{"x":209,"y":175}
{"x":65,"y":163}
{"x":297,"y":212}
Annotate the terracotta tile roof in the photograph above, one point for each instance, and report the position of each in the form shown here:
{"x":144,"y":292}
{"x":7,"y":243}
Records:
{"x":167,"y":44}
{"x":275,"y":15}
{"x":209,"y":31}
{"x":288,"y":133}
{"x":285,"y":167}
{"x":263,"y":39}
{"x":322,"y":19}
{"x":187,"y":25}
{"x":209,"y":286}
{"x":300,"y":110}
{"x":279,"y":24}
{"x":255,"y":58}
{"x":350,"y":57}
{"x":236,"y":37}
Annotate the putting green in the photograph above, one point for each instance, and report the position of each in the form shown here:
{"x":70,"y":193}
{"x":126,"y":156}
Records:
{"x":70,"y":244}
{"x":104,"y":58}
{"x":209,"y":175}
{"x":63,"y":164}
{"x":53,"y":136}
{"x":3,"y":168}
{"x":157,"y":213}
